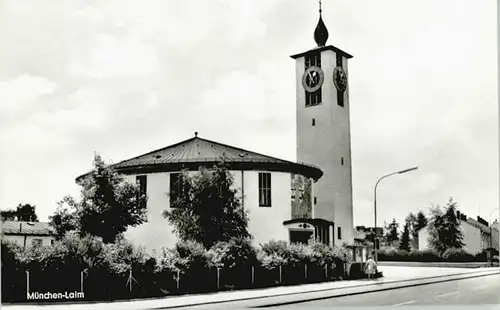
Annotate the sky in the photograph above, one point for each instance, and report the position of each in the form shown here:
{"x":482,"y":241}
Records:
{"x":122,"y":78}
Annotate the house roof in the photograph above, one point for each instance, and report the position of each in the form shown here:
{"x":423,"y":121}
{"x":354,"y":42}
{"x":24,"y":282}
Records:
{"x":195,"y":152}
{"x":26,"y":228}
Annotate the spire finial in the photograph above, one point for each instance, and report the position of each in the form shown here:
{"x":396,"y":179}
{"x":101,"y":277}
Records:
{"x":196,"y":134}
{"x":320,"y":33}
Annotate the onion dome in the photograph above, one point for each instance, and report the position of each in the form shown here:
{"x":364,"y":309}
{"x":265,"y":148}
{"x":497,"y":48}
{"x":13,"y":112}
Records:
{"x":320,"y":33}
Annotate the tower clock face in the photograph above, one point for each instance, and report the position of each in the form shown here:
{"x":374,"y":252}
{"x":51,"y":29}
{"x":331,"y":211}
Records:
{"x":313,"y":79}
{"x":340,"y":79}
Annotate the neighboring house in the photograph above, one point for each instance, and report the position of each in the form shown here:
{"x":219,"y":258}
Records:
{"x":27,"y":234}
{"x":477,"y":235}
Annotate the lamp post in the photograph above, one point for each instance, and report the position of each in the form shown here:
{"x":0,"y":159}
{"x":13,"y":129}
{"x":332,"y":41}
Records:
{"x":491,"y":235}
{"x":375,"y":204}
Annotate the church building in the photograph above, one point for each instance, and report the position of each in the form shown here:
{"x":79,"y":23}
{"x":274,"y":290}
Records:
{"x":291,"y":201}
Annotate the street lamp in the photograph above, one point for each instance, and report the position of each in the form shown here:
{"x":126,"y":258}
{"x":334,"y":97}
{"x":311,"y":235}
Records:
{"x":375,"y":204}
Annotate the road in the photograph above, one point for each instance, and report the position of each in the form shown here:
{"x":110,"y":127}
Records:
{"x":473,"y":291}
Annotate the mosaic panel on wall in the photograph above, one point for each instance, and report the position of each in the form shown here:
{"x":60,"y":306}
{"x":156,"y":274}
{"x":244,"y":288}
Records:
{"x":301,"y":197}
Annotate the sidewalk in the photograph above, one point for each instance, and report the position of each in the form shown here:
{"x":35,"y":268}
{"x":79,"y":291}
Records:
{"x":393,"y":277}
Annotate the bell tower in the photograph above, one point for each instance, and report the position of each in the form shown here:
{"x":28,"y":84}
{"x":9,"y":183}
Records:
{"x":323,"y":129}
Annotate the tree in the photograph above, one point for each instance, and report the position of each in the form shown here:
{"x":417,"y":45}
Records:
{"x":392,"y":234}
{"x":405,"y":239}
{"x":415,"y":223}
{"x":109,"y":205}
{"x":411,"y":222}
{"x":8,"y":215}
{"x":444,"y":228}
{"x":436,"y":223}
{"x":65,"y":219}
{"x":453,"y":235}
{"x":207,"y":209}
{"x":23,"y":212}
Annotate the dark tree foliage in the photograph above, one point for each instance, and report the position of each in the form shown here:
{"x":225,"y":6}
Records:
{"x":23,"y":212}
{"x":444,"y":228}
{"x":392,"y":235}
{"x":404,"y":244}
{"x":207,"y":209}
{"x":108,"y":206}
{"x":65,"y":219}
{"x":415,"y":223}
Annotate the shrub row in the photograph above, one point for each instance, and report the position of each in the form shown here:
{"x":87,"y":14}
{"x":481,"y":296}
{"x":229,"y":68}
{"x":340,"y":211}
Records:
{"x":450,"y":255}
{"x":187,"y":268}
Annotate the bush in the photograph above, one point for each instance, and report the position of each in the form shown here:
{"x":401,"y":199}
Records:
{"x":236,"y":252}
{"x":457,"y":255}
{"x":107,"y":267}
{"x":424,"y":256}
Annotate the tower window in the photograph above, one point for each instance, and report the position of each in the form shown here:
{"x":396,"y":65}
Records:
{"x":265,"y":189}
{"x":340,"y":94}
{"x":342,"y":161}
{"x":339,"y":233}
{"x":141,"y":181}
{"x":313,"y":59}
{"x":314,"y":122}
{"x":315,"y":200}
{"x":339,"y":60}
{"x":313,"y":98}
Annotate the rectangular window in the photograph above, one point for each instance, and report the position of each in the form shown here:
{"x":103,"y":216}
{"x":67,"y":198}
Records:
{"x":265,"y":189}
{"x":340,"y":95}
{"x":175,"y":186}
{"x":36,"y":242}
{"x":339,"y":233}
{"x":322,"y":235}
{"x":315,"y":200}
{"x":342,"y":161}
{"x":339,"y":60}
{"x":314,"y":122}
{"x":141,"y":181}
{"x":311,"y":60}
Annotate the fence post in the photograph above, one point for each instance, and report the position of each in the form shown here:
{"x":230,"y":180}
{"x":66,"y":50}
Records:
{"x":305,"y":271}
{"x":81,"y":281}
{"x":218,"y":278}
{"x":326,"y":271}
{"x":253,"y":275}
{"x":280,"y":275}
{"x":27,"y":281}
{"x":177,"y":279}
{"x":130,"y":278}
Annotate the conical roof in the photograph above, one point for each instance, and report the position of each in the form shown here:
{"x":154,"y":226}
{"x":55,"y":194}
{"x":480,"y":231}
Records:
{"x":195,"y":152}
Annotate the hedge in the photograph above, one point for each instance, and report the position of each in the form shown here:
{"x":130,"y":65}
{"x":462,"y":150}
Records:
{"x":186,"y":268}
{"x":450,"y":255}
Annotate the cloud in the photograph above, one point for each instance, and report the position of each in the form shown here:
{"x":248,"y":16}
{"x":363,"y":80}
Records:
{"x":22,"y":93}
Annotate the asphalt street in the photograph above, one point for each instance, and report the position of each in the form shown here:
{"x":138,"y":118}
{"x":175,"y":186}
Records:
{"x":473,"y":291}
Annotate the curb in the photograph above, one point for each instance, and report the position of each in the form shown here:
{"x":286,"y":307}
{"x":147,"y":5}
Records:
{"x":438,"y":278}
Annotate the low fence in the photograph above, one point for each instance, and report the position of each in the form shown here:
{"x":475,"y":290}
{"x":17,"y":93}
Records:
{"x":100,"y":285}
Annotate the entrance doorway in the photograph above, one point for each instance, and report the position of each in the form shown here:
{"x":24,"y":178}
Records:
{"x":297,"y":236}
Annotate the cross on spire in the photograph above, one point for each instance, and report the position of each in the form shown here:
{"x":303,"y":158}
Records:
{"x":320,"y":7}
